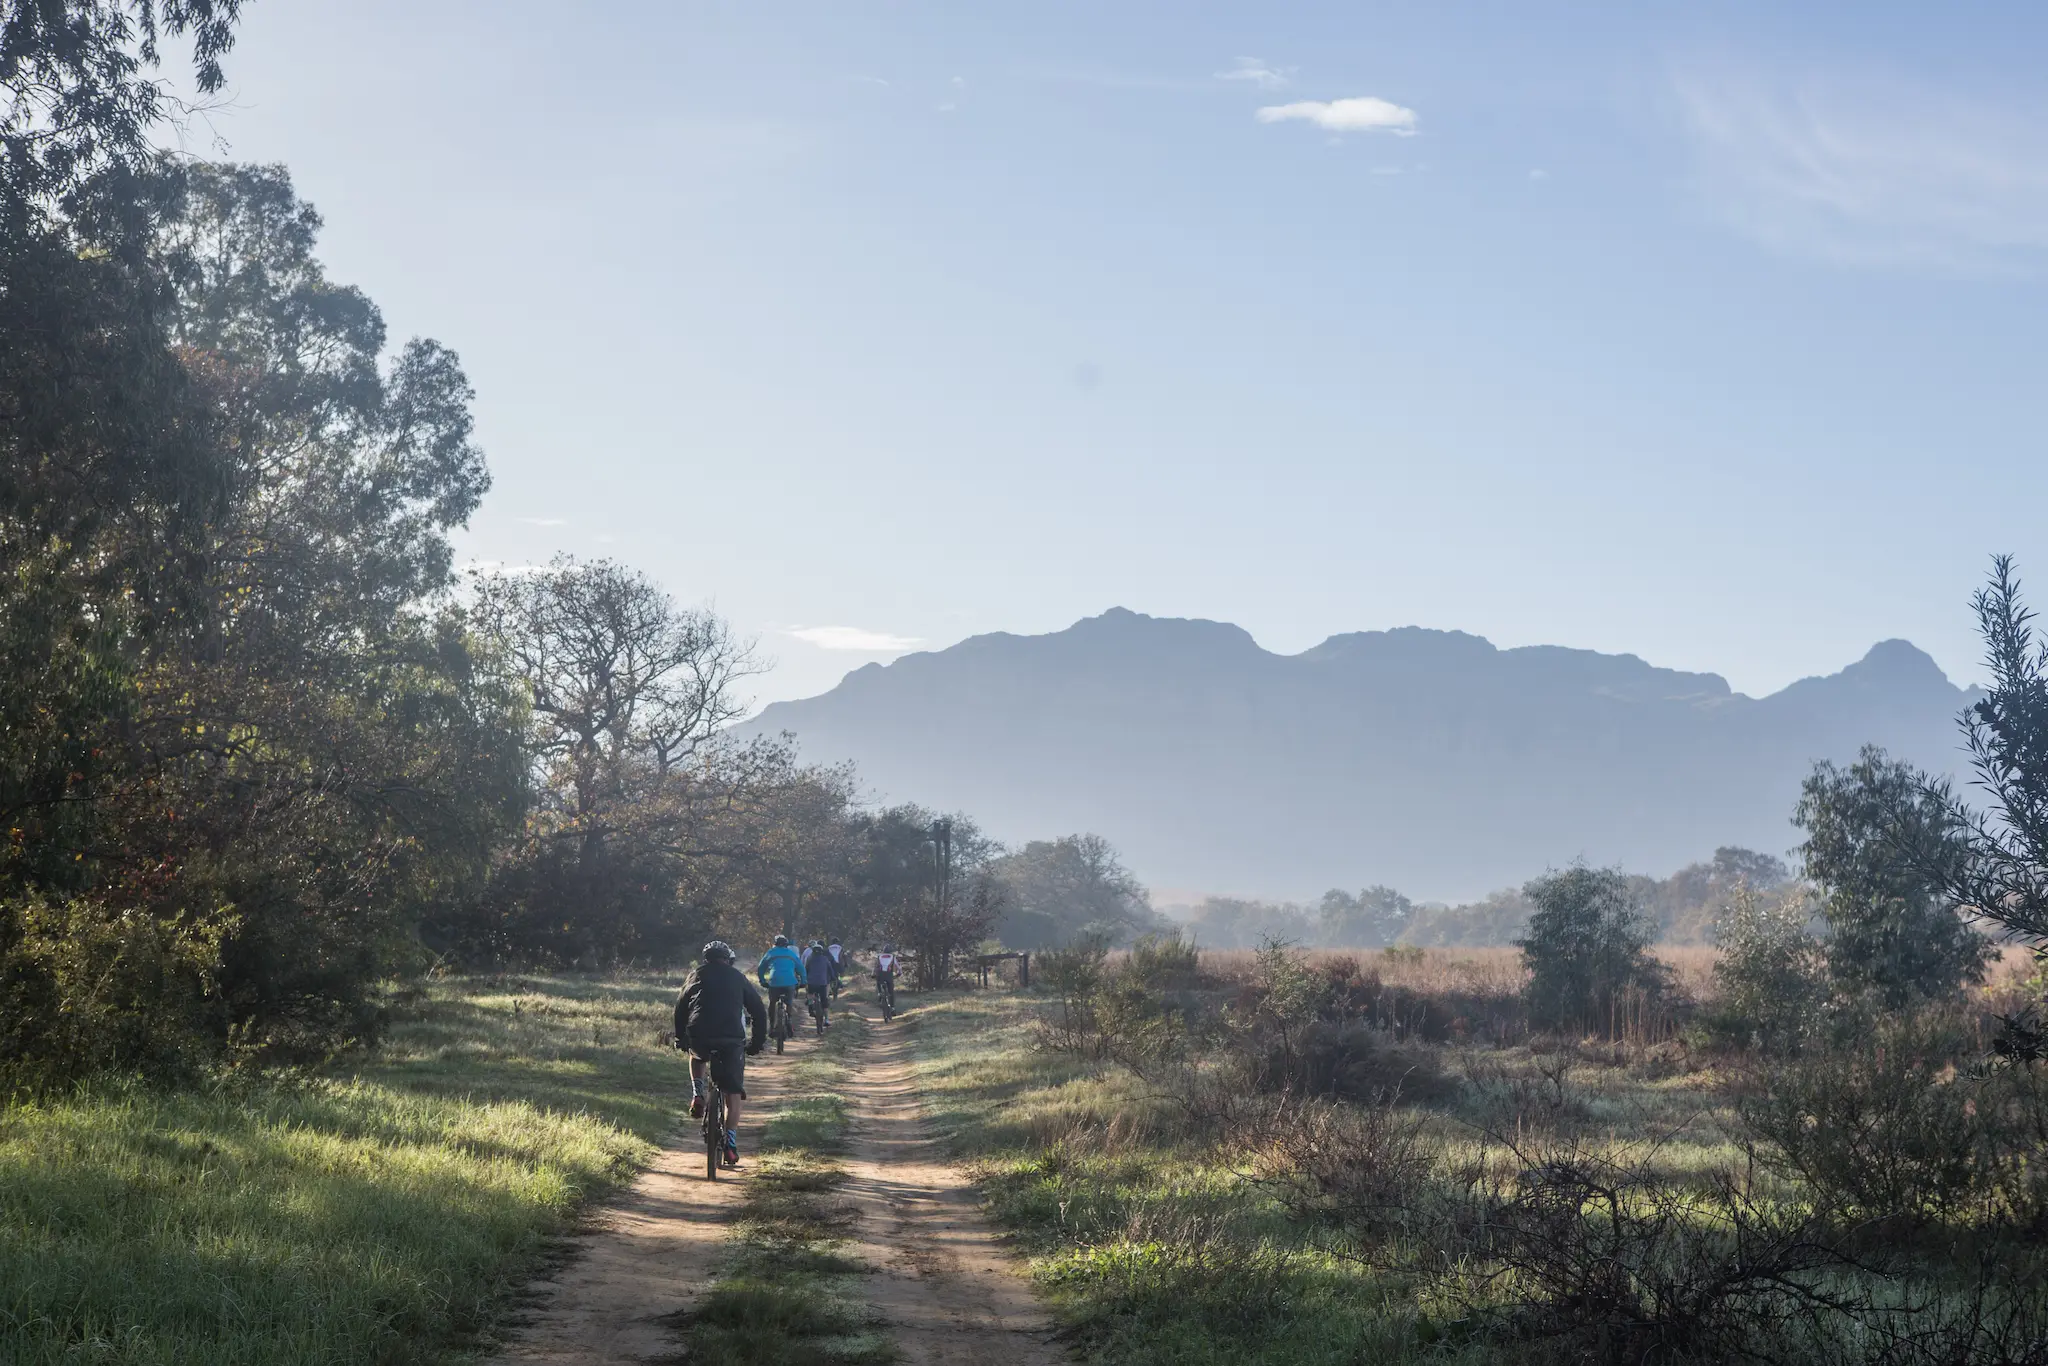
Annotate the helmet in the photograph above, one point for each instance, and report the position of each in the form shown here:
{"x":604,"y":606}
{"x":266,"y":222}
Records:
{"x":718,"y":949}
{"x":888,"y":948}
{"x":817,"y":943}
{"x":781,"y":941}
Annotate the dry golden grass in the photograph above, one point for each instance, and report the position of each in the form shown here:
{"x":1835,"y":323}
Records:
{"x":1487,"y":970}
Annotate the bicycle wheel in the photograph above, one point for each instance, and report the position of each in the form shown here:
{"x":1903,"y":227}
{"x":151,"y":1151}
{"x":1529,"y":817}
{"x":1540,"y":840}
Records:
{"x":780,"y":1025}
{"x":714,"y":1130}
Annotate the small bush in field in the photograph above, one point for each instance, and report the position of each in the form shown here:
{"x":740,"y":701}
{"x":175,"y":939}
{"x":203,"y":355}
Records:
{"x":1603,"y":1259}
{"x":1885,"y":1126}
{"x":1171,"y":962}
{"x":1772,"y":973}
{"x":1362,"y":1169}
{"x":1587,"y":950}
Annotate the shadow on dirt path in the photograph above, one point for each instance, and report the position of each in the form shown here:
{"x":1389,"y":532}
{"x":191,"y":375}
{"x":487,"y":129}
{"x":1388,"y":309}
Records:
{"x":648,"y":1254}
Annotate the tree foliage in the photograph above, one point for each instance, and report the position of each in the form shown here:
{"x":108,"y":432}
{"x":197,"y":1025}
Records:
{"x":1062,"y":888}
{"x":1881,"y":845}
{"x":1587,"y":944}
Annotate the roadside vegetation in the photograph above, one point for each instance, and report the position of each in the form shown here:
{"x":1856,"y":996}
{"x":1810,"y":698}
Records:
{"x":387,"y":1210}
{"x":788,"y":1289}
{"x":1330,"y":1157}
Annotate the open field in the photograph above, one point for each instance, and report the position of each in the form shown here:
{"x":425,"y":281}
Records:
{"x":384,"y":1211}
{"x":1160,"y":1237}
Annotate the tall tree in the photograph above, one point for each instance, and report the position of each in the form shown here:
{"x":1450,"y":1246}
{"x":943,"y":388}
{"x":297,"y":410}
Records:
{"x":1587,"y":943}
{"x":1882,"y":845}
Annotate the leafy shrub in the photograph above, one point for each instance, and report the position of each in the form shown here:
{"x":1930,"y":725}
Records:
{"x":1587,"y":950}
{"x":1772,"y":973}
{"x":1169,"y":961}
{"x":87,"y":988}
{"x":1882,"y":843}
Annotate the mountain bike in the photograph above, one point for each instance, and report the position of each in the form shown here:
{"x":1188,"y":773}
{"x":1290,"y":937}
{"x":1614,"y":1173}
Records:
{"x":778,"y":1022}
{"x":885,"y":991}
{"x":818,"y":1010}
{"x":714,"y":1127}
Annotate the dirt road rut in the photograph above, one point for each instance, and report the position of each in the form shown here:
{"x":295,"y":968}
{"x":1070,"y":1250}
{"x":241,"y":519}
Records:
{"x":950,"y":1292}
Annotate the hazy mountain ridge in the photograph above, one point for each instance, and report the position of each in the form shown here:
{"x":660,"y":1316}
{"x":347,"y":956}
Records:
{"x":1429,"y":760}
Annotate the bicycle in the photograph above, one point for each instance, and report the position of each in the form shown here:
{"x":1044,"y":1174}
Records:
{"x":818,"y":1009}
{"x":778,"y":1022}
{"x":714,"y":1127}
{"x":885,"y":991}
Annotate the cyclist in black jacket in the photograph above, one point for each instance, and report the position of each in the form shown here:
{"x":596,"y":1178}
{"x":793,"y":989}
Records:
{"x":720,"y":1019}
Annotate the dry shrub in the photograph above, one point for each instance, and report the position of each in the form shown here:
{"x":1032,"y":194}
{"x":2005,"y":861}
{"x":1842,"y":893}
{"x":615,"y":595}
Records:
{"x":2001,"y":1320}
{"x":1602,"y":1259}
{"x":1360,"y":1169}
{"x":1350,"y":1062}
{"x":1889,"y":1127}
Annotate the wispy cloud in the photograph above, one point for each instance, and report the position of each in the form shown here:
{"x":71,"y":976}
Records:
{"x":1358,"y":114}
{"x":852,"y":638}
{"x":1870,"y":171}
{"x":543,"y":521}
{"x":1252,"y":71}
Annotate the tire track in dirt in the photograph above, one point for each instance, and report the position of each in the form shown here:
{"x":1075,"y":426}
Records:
{"x":944,"y":1283}
{"x":647,"y":1254}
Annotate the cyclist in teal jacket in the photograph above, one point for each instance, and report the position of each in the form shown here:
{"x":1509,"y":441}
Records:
{"x":781,"y":971}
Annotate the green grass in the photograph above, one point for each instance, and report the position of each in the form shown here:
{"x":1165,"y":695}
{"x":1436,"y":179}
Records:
{"x":789,"y":1293}
{"x":386,"y":1211}
{"x":1150,"y":1251}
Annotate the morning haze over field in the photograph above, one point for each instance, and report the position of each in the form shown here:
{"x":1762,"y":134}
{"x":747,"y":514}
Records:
{"x":1023,"y":682}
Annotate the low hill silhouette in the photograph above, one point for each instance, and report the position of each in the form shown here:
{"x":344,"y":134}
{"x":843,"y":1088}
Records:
{"x":1427,"y":760}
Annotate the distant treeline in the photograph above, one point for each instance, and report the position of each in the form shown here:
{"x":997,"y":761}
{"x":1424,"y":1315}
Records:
{"x":1683,"y":909}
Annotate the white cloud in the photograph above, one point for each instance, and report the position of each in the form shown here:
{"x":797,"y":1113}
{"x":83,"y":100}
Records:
{"x":543,"y":521}
{"x":1539,"y":174}
{"x":852,"y":638}
{"x":1869,"y":171}
{"x":1358,"y":114}
{"x":1258,"y":73}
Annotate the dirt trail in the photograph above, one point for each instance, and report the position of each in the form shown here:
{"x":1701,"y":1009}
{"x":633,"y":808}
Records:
{"x":648,"y":1254}
{"x":948,"y":1290}
{"x":943,"y":1281}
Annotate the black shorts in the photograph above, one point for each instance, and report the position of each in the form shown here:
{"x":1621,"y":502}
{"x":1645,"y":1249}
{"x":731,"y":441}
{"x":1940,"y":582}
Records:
{"x":728,"y":1064}
{"x":787,"y":993}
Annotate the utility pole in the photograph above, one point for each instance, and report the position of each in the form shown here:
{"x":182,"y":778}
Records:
{"x":942,"y":857}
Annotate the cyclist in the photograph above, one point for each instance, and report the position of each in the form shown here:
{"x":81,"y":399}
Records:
{"x":720,"y":1019}
{"x":781,"y":971}
{"x":821,"y":974}
{"x":885,"y":972}
{"x":838,"y":962}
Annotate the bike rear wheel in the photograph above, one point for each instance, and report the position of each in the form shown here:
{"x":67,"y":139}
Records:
{"x":781,"y":1026}
{"x":714,"y":1130}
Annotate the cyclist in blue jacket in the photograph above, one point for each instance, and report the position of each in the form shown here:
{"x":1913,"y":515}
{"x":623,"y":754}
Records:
{"x":781,"y":971}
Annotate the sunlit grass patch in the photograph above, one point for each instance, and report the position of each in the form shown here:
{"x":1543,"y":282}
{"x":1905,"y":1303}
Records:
{"x":388,"y":1210}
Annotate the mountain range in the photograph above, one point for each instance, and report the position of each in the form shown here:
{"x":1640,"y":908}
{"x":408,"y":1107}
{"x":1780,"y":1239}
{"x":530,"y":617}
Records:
{"x":1426,"y":760}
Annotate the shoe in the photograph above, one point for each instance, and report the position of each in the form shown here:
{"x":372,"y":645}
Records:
{"x":732,"y":1148}
{"x":697,"y":1106}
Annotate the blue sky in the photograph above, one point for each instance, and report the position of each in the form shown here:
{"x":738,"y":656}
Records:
{"x":1713,"y":337}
